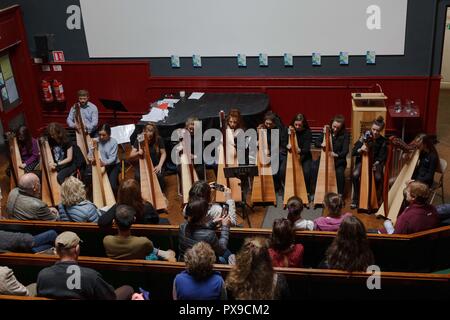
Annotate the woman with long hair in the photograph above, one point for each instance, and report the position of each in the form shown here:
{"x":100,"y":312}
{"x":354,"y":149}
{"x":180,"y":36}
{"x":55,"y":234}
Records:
{"x":428,"y":161}
{"x":273,"y":122}
{"x":253,"y":277}
{"x":304,"y":139}
{"x":130,"y":194}
{"x":62,"y":151}
{"x":202,"y":190}
{"x":283,"y":249}
{"x":157,"y":150}
{"x":350,"y":250}
{"x":198,"y":228}
{"x":74,"y":206}
{"x":333,"y":203}
{"x":28,"y":148}
{"x":340,"y":141}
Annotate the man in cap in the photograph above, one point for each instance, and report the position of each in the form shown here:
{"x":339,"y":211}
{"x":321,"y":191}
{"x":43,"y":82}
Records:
{"x":67,"y":280}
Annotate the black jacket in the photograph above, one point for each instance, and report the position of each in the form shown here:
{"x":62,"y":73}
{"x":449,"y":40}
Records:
{"x":149,"y":216}
{"x":52,"y":282}
{"x":340,"y":147}
{"x":428,"y":163}
{"x":304,"y":140}
{"x":379,"y":149}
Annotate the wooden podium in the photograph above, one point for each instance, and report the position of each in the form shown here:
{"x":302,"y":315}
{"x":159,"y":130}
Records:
{"x":366,"y":107}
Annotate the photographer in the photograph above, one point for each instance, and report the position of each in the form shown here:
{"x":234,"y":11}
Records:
{"x":202,"y":190}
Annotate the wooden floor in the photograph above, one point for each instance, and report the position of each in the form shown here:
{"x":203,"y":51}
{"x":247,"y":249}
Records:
{"x":257,"y":217}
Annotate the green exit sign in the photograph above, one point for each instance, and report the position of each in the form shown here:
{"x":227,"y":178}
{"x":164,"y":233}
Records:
{"x":448,"y":26}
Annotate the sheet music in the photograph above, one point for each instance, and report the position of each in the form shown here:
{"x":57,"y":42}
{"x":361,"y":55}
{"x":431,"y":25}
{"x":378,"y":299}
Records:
{"x":196,"y":95}
{"x":155,"y":115}
{"x":122,"y":133}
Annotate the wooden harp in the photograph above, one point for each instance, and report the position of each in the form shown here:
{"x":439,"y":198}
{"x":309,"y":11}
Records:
{"x":150,"y":188}
{"x":326,"y":177}
{"x":102,"y":193}
{"x":83,"y":138}
{"x":227,"y":158}
{"x":294,"y":184}
{"x":188,"y":173}
{"x":15,"y":160}
{"x":401,"y":169}
{"x":367,"y":188}
{"x":263,"y":190}
{"x":50,"y":188}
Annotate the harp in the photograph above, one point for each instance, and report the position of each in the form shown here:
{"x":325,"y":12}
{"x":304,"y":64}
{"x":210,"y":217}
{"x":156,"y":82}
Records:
{"x":367,"y":188}
{"x":150,"y":188}
{"x":227,"y":157}
{"x":263,"y":190}
{"x":398,"y":169}
{"x":102,"y":193}
{"x":326,"y":176}
{"x":188,"y":173}
{"x":83,"y":138}
{"x":295,"y":180}
{"x":15,"y":160}
{"x":51,"y":190}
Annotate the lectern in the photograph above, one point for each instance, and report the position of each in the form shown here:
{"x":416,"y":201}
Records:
{"x":366,"y":107}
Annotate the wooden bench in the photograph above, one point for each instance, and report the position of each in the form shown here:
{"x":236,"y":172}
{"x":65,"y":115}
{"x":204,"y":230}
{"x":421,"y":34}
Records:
{"x":11,"y":297}
{"x":157,"y":277}
{"x":423,"y":251}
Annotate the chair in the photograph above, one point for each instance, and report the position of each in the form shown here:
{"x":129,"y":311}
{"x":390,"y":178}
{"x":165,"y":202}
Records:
{"x":439,"y":184}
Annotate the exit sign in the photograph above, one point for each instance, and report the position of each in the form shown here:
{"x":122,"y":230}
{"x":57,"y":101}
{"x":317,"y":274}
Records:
{"x":58,"y":56}
{"x":448,"y":26}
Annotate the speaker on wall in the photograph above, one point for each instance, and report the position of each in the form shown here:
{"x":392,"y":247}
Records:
{"x":44,"y":44}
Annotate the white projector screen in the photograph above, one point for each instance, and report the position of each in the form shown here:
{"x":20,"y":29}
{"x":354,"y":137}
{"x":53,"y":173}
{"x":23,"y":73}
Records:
{"x":220,"y":28}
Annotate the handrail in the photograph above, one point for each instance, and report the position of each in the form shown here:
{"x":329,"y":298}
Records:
{"x":239,"y":232}
{"x":173,"y":267}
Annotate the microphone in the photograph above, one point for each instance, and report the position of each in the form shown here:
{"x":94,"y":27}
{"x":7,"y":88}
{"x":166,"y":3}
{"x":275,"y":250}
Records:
{"x":379,"y":87}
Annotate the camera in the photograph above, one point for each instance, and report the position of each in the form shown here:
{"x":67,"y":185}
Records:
{"x":218,"y":187}
{"x":225,"y":210}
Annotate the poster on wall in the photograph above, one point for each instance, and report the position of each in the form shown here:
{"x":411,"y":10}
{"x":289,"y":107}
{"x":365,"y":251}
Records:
{"x":8,"y":88}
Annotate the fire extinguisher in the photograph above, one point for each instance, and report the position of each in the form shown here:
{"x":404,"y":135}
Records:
{"x":46,"y":89}
{"x":58,"y":90}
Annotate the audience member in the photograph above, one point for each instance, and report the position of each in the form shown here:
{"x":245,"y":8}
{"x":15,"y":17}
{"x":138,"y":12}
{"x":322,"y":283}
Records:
{"x":283,"y":249}
{"x":199,"y":281}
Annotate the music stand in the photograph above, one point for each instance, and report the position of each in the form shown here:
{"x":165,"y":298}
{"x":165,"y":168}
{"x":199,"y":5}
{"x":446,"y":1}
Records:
{"x":115,"y":106}
{"x":242,"y":173}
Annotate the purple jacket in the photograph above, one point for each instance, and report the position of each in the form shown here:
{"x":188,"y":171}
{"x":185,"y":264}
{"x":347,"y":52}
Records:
{"x":417,"y":217}
{"x":329,"y":223}
{"x":27,"y":157}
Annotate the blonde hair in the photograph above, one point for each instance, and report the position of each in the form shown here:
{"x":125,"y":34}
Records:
{"x":419,"y":190}
{"x":199,"y":260}
{"x":72,"y":192}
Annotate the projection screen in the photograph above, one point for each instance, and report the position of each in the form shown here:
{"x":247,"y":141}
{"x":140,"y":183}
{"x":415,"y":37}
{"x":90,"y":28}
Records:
{"x":219,"y":28}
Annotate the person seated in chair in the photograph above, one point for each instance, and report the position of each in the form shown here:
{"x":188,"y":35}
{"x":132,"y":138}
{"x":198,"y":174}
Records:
{"x":428,"y":161}
{"x":418,"y":215}
{"x":74,"y":206}
{"x":273,"y":122}
{"x":157,"y":150}
{"x":89,"y":114}
{"x":24,"y":203}
{"x":52,"y":282}
{"x":126,"y":246}
{"x":333,"y":204}
{"x":67,"y":157}
{"x":29,"y":149}
{"x":379,"y":155}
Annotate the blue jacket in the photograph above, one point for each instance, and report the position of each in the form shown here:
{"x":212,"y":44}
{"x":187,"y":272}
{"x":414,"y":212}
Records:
{"x":85,"y":211}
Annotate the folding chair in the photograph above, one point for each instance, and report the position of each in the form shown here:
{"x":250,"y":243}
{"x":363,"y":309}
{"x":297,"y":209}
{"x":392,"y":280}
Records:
{"x":439,"y":184}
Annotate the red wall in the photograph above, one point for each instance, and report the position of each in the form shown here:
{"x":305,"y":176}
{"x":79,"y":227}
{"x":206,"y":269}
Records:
{"x":13,"y":41}
{"x":318,"y":98}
